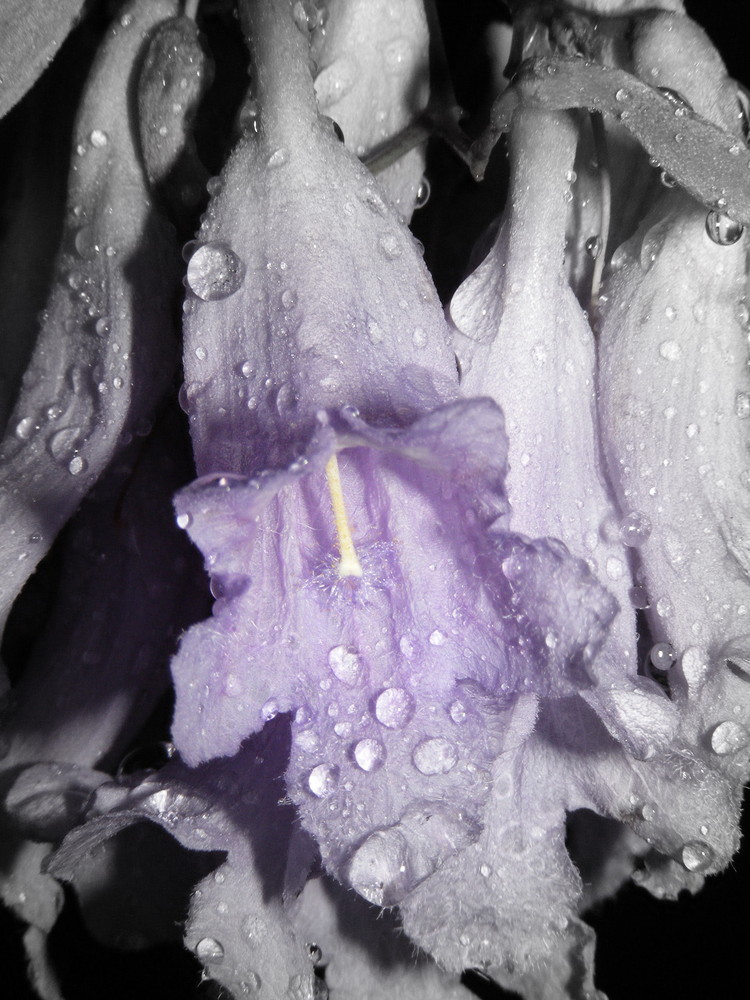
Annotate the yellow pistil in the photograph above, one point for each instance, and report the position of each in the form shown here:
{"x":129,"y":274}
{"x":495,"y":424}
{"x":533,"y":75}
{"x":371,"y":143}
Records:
{"x":349,"y":564}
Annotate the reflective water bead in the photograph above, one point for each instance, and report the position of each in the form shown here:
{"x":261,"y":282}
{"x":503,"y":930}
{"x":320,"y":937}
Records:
{"x":435,"y":756}
{"x":77,"y":465}
{"x":723,"y":230}
{"x":209,"y":951}
{"x":729,"y":737}
{"x":98,"y":138}
{"x":639,"y":597}
{"x":345,"y":665}
{"x":676,"y":99}
{"x":662,"y":655}
{"x":423,"y":193}
{"x":635,"y":529}
{"x":369,"y":754}
{"x":437,"y":638}
{"x":742,"y":405}
{"x":696,"y":856}
{"x":215,"y":272}
{"x":457,"y":712}
{"x":323,"y":779}
{"x":270,"y":709}
{"x":593,"y":246}
{"x":394,"y":707}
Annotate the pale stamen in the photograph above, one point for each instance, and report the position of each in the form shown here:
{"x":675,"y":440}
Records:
{"x":349,"y":564}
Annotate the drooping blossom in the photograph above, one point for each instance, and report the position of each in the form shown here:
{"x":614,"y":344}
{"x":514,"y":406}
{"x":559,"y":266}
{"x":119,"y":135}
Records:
{"x":476,"y":650}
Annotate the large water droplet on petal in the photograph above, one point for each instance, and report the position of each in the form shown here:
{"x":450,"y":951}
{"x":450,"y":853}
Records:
{"x":435,"y":756}
{"x":723,"y":230}
{"x":345,"y":665}
{"x":729,"y":737}
{"x":635,"y":529}
{"x":369,"y":754}
{"x":323,"y":780}
{"x":379,"y":869}
{"x":696,"y":856}
{"x":662,"y":655}
{"x":394,"y":707}
{"x":209,"y":951}
{"x":215,"y":272}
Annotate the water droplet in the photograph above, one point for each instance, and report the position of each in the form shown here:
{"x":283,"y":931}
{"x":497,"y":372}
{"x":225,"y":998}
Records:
{"x":200,"y":353}
{"x":288,"y":299}
{"x":670,"y":350}
{"x":457,"y":712}
{"x":639,"y":597}
{"x":635,"y":529}
{"x":184,"y":521}
{"x":437,"y":638}
{"x":305,"y":15}
{"x":270,"y":709}
{"x":390,"y":246}
{"x":374,"y":332}
{"x":278,"y":158}
{"x":251,"y":984}
{"x":394,"y":707}
{"x":246,"y":369}
{"x":670,"y":312}
{"x":594,"y":246}
{"x":696,"y":856}
{"x":723,"y":230}
{"x":25,"y":428}
{"x":622,"y":95}
{"x":86,"y":243}
{"x":667,"y":180}
{"x":215,"y":272}
{"x":675,"y":99}
{"x":117,"y":382}
{"x":103,"y":326}
{"x":423,"y":194}
{"x":435,"y":756}
{"x":209,"y":951}
{"x":419,"y":337}
{"x":662,"y":655}
{"x":369,"y":754}
{"x":729,"y":737}
{"x":379,"y":869}
{"x":323,"y":780}
{"x":77,"y":465}
{"x":742,"y":405}
{"x":345,"y":665}
{"x":98,"y":138}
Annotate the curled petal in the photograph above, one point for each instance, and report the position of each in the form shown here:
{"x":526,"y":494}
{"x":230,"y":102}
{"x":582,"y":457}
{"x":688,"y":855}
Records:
{"x":31,"y":31}
{"x":101,"y":360}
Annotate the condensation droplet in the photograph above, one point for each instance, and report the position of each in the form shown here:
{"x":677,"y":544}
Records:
{"x":209,"y":951}
{"x":723,"y":230}
{"x":98,"y":138}
{"x":457,"y":712}
{"x":670,"y":350}
{"x":184,"y":521}
{"x":742,"y":405}
{"x":729,"y":737}
{"x":696,"y":856}
{"x":323,"y":780}
{"x":593,"y":246}
{"x":369,"y":754}
{"x":635,"y":529}
{"x":423,"y":194}
{"x":435,"y":756}
{"x":270,"y":709}
{"x":662,"y":655}
{"x":278,"y":158}
{"x":345,"y":664}
{"x":215,"y":272}
{"x":394,"y":707}
{"x":437,"y":638}
{"x":77,"y":465}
